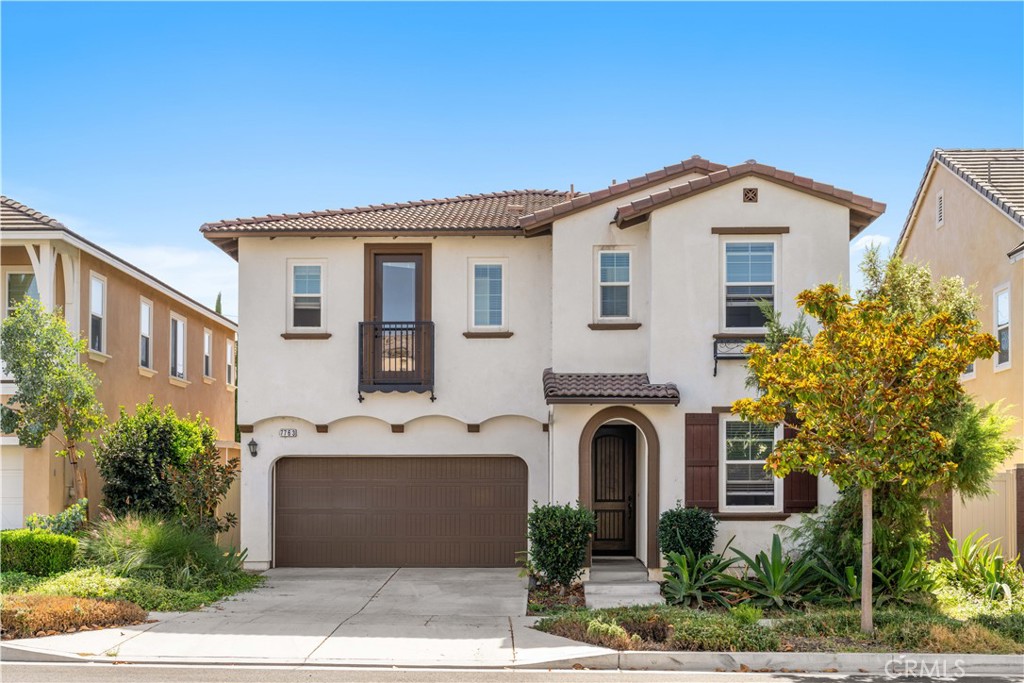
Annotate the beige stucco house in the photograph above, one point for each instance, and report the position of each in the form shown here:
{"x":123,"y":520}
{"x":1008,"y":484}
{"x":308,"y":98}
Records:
{"x":427,"y":369}
{"x":144,"y":339}
{"x":967,"y":219}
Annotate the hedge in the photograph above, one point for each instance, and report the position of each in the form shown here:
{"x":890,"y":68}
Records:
{"x":37,"y":552}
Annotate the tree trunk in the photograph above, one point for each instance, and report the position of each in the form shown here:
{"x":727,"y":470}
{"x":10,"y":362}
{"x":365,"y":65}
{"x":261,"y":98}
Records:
{"x":866,"y":574}
{"x":80,"y":477}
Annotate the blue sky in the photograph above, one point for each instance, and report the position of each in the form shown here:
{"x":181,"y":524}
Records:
{"x":136,"y":123}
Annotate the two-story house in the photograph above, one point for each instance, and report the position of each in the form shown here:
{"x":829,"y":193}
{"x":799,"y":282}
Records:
{"x":418,"y":373}
{"x":144,"y":339}
{"x":967,"y":219}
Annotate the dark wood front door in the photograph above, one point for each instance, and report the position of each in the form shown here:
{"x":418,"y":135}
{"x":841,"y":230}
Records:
{"x":614,"y":455}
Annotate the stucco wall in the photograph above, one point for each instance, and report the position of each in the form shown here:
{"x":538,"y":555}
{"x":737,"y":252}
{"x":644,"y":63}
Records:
{"x":972,"y":243}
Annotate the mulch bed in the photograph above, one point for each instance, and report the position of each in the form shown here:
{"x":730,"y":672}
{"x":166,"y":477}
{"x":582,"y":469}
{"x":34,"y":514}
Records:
{"x":543,"y":601}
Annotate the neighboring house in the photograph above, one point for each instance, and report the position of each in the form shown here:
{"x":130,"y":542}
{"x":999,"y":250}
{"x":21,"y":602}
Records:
{"x":144,"y":339}
{"x":415,"y":375}
{"x":967,"y":219}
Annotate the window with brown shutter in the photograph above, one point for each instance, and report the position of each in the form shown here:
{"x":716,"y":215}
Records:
{"x":799,"y":489}
{"x":701,"y":457}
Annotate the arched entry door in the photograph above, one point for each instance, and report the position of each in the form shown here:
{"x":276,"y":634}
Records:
{"x":614,"y":456}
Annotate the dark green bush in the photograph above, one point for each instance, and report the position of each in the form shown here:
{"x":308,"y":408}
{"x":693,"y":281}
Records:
{"x":558,"y":536}
{"x":37,"y":552}
{"x":681,"y":528}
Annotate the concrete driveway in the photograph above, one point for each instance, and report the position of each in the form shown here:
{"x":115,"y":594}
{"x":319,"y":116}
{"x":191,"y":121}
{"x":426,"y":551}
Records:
{"x":393,"y":617}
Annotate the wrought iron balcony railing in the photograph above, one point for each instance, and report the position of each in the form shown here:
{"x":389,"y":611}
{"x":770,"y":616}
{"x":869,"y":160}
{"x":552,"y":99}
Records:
{"x":396,"y":356}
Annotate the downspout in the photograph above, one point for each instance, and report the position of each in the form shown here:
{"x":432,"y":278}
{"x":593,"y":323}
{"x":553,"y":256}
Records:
{"x":551,"y":454}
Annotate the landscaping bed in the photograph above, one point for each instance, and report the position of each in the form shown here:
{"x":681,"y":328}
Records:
{"x":25,"y":616}
{"x":549,"y":600}
{"x":819,"y":629}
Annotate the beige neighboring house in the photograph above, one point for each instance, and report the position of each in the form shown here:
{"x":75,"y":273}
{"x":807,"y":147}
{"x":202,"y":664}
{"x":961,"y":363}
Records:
{"x":144,"y":339}
{"x":420,"y":372}
{"x":968,"y":220}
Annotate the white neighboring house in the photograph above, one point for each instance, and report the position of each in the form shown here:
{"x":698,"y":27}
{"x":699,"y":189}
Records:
{"x":414,"y":375}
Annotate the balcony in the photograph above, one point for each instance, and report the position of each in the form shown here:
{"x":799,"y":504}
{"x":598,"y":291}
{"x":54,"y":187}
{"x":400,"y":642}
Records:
{"x":396,"y":356}
{"x":732,"y":347}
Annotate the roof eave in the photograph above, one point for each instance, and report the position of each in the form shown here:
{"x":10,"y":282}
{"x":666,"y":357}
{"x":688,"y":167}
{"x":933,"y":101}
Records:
{"x":604,"y":400}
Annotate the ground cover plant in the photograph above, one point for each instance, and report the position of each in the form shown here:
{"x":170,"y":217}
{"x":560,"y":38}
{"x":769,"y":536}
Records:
{"x":24,"y":616}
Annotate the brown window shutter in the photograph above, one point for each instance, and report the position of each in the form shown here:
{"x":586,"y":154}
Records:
{"x":799,"y":489}
{"x":702,"y":461}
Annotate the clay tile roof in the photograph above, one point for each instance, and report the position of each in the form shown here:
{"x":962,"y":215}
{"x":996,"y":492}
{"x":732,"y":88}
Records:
{"x":16,"y":216}
{"x":561,"y":387}
{"x":998,"y":174}
{"x":539,"y":220}
{"x":863,"y":210}
{"x":477,"y":212}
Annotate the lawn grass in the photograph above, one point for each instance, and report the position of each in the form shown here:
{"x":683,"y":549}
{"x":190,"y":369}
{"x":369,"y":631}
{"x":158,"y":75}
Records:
{"x":819,"y":629}
{"x":149,"y":593}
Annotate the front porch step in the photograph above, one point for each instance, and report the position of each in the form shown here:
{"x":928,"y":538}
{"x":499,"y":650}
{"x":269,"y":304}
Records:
{"x":620,"y":582}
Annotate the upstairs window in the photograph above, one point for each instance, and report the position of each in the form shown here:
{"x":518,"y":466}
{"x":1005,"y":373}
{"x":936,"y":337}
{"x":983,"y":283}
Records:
{"x":177,"y":365}
{"x":19,"y":286}
{"x":746,"y":485}
{"x":306,"y":296}
{"x":614,"y":280}
{"x":749,"y":279}
{"x":97,"y":313}
{"x":145,"y":334}
{"x":229,"y":369}
{"x":488,"y":295}
{"x":1002,"y":318}
{"x":207,"y":353}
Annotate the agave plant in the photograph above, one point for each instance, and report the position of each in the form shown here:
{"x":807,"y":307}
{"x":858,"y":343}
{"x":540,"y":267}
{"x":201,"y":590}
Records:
{"x":774,"y":579}
{"x":845,"y":583}
{"x":902,"y":583}
{"x":690,"y":580}
{"x":978,"y":565}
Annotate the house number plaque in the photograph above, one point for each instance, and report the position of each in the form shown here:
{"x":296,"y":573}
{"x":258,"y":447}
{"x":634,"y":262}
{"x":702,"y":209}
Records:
{"x":289,"y":433}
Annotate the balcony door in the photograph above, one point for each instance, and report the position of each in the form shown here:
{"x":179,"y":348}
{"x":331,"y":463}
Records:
{"x":398,"y":306}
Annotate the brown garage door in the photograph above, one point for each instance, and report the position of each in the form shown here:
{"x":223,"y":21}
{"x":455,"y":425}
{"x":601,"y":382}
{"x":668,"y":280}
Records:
{"x":400,"y":512}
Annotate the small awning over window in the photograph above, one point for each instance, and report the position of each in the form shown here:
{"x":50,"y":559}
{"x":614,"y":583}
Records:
{"x":586,"y":387}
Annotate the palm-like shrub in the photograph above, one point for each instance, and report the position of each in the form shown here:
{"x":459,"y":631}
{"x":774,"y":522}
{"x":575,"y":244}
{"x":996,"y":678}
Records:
{"x":774,"y":579}
{"x":690,"y":580}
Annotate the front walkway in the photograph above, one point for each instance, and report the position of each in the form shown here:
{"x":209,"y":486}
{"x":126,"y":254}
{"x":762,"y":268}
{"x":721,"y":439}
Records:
{"x":371,"y":617}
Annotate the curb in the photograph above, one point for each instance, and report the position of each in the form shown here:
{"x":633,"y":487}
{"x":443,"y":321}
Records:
{"x":891,"y":664}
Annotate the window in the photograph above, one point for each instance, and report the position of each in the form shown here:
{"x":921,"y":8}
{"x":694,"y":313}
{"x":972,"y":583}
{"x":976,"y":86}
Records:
{"x":207,"y":353}
{"x":749,"y":280}
{"x":969,"y":373}
{"x":745,"y":484}
{"x":18,"y":286}
{"x":940,"y":210}
{"x":487,"y":294}
{"x":1002,"y":315}
{"x":145,"y":334}
{"x":306,"y":305}
{"x":614,"y":275}
{"x":97,"y":313}
{"x":229,"y":369}
{"x":177,"y":367}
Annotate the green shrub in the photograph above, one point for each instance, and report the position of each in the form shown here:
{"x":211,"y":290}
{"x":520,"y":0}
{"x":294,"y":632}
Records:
{"x":37,"y":552}
{"x":978,"y":567}
{"x":68,"y":522}
{"x":24,"y":616}
{"x":13,"y":582}
{"x":202,"y":485}
{"x":746,"y":614}
{"x":774,"y":579}
{"x":681,"y":528}
{"x":149,"y":546}
{"x":690,"y":580}
{"x":558,"y":536}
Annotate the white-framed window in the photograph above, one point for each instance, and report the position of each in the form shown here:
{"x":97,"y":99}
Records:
{"x":18,"y":283}
{"x":97,"y":313}
{"x":744,"y":483}
{"x":145,"y":333}
{"x":614,"y":284}
{"x":488,"y":294}
{"x":750,"y":277}
{"x":940,"y":209}
{"x":229,"y":367}
{"x":1001,"y":313}
{"x":306,"y":295}
{"x":178,"y":347}
{"x":970,"y":372}
{"x":207,"y":352}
